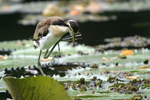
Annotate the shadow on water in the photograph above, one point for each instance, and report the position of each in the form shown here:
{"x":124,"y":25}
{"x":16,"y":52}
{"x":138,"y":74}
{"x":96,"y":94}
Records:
{"x":127,"y":24}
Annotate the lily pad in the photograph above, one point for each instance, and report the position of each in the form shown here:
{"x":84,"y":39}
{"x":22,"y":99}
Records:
{"x":36,"y":88}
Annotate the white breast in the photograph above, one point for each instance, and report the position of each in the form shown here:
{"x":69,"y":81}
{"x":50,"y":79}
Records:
{"x":55,"y":33}
{"x":47,"y":41}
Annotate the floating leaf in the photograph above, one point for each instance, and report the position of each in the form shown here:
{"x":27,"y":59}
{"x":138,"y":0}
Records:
{"x":36,"y":88}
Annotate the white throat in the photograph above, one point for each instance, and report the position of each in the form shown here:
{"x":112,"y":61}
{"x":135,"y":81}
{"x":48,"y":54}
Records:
{"x":58,"y":31}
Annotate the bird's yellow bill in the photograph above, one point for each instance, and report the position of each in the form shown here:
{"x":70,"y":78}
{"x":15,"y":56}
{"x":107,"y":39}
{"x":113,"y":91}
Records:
{"x":73,"y":34}
{"x":73,"y":40}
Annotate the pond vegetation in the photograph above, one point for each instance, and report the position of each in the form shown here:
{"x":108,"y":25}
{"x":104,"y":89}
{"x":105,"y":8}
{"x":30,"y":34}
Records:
{"x":84,"y":72}
{"x":111,"y":62}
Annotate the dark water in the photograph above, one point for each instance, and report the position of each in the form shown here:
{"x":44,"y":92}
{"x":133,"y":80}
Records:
{"x":127,"y":24}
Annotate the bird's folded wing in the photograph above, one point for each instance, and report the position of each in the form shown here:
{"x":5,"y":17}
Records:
{"x":41,"y":29}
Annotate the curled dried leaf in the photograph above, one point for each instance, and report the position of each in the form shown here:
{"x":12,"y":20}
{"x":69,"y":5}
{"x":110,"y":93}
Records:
{"x":145,"y":66}
{"x":127,"y":52}
{"x":49,"y":58}
{"x":132,"y":77}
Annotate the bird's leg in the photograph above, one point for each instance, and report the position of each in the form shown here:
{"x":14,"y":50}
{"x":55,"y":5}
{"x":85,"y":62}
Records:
{"x":39,"y":64}
{"x":69,"y":37}
{"x":46,"y":54}
{"x":51,"y":50}
{"x":58,"y":51}
{"x":58,"y":47}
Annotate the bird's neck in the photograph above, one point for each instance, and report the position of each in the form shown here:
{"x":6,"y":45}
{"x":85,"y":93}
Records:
{"x":58,"y":31}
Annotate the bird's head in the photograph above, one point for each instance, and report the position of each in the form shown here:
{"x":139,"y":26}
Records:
{"x":74,"y":29}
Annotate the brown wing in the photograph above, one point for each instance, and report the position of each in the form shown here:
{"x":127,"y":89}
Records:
{"x":41,"y":29}
{"x":42,"y":26}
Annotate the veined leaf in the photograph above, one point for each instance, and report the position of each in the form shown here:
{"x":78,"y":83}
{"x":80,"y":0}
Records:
{"x":36,"y":88}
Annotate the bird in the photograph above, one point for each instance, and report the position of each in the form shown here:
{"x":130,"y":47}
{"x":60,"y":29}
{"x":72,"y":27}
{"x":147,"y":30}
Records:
{"x":49,"y":32}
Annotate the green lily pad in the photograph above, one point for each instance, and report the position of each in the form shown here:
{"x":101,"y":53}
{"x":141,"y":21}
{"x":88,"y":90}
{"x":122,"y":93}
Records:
{"x":36,"y":88}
